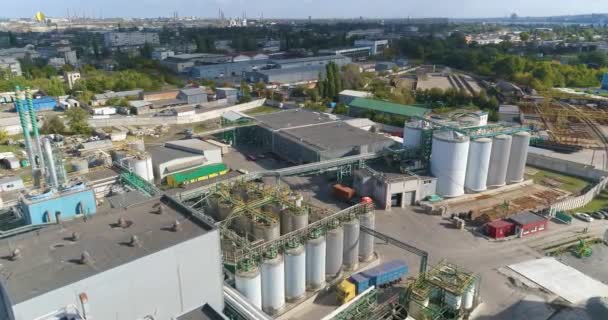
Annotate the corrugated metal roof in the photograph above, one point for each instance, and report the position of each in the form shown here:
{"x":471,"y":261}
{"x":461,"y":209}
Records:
{"x":193,"y":91}
{"x":389,"y":107}
{"x":199,"y":172}
{"x":526,"y":218}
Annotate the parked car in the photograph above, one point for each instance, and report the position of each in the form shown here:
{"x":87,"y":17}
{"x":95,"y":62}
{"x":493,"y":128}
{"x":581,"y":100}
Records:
{"x":598,"y":215}
{"x":605,"y":213}
{"x":583,"y":216}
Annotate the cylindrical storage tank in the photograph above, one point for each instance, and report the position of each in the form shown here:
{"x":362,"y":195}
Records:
{"x":249,"y":284}
{"x":285,"y":217}
{"x":366,"y":240}
{"x":142,"y":167}
{"x":335,"y":248}
{"x":449,"y":162}
{"x":350,"y":255}
{"x":295,"y":273}
{"x":271,"y":231}
{"x":453,"y":301}
{"x":478,"y":165}
{"x":518,"y":157}
{"x":469,"y":297}
{"x":224,"y":208}
{"x":243,"y":225}
{"x":299,"y":220}
{"x":412,"y":134}
{"x":417,"y":307}
{"x":273,"y":284}
{"x":315,"y":263}
{"x":80,"y":165}
{"x":499,"y":161}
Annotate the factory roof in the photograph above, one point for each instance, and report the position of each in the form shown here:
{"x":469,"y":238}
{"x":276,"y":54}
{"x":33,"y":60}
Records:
{"x":100,"y":173}
{"x":336,"y":135}
{"x":140,"y":103}
{"x":308,"y":59}
{"x":193,"y":91}
{"x":112,"y":94}
{"x":189,"y":56}
{"x":205,"y":312}
{"x":191,"y":145}
{"x":162,"y":154}
{"x":355,"y":93}
{"x":50,"y":259}
{"x":295,"y":118}
{"x":389,"y":107}
{"x":234,"y":115}
{"x":525,"y":218}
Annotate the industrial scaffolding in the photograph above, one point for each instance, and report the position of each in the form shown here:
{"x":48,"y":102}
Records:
{"x":426,"y":297}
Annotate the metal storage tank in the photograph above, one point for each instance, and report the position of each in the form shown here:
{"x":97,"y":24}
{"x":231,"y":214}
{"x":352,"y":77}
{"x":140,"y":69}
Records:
{"x":295,"y":272}
{"x":243,"y":225}
{"x":273,"y":283}
{"x":271,"y":231}
{"x":499,"y":160}
{"x":80,"y":165}
{"x":249,"y":284}
{"x":478,"y":165}
{"x":412,"y":134}
{"x":449,"y":162}
{"x":299,"y":219}
{"x":452,"y":301}
{"x":142,"y":167}
{"x":285,"y":218}
{"x":366,"y":240}
{"x":315,"y":262}
{"x":469,"y":297}
{"x":335,"y":248}
{"x":518,"y":157}
{"x":351,"y":244}
{"x":224,"y":208}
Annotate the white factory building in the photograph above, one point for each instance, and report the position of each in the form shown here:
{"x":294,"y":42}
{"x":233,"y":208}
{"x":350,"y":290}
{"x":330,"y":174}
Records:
{"x":147,"y":268}
{"x":183,"y":155}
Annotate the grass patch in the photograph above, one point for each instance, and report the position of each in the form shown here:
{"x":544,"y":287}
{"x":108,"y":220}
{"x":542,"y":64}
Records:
{"x":553,"y":179}
{"x":599,"y":202}
{"x":14,"y":149}
{"x":261,"y":110}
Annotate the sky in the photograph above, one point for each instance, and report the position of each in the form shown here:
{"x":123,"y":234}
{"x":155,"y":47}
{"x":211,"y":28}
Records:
{"x":303,"y":8}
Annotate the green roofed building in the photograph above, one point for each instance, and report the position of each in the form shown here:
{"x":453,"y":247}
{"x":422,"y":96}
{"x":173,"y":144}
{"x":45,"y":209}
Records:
{"x":359,"y":106}
{"x":199,"y":174}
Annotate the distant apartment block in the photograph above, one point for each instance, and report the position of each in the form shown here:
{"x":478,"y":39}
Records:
{"x":11,"y":65}
{"x":130,"y":39}
{"x":71,"y":78}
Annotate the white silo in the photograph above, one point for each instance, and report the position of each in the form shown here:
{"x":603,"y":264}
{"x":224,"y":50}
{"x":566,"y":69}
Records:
{"x":285,"y":217}
{"x":478,"y":165}
{"x":449,"y":162}
{"x":315,"y":262}
{"x":351,"y":244}
{"x":518,"y":157}
{"x":273,"y":284}
{"x":335,"y":247}
{"x":249,"y":284}
{"x":142,"y":166}
{"x":412,"y":134}
{"x":499,"y":160}
{"x":299,"y":219}
{"x":366,"y":240}
{"x":295,"y":272}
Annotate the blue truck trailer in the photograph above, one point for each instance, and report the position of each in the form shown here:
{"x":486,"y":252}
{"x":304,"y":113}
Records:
{"x":383,"y":275}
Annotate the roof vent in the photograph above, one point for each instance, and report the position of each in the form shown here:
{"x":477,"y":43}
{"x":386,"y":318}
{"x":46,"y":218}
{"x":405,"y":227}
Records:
{"x":176,"y":226}
{"x":85,"y":258}
{"x":75,"y":236}
{"x":135,"y":242}
{"x":15,"y":255}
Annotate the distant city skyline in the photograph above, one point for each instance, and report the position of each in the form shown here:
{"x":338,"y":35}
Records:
{"x":304,"y":8}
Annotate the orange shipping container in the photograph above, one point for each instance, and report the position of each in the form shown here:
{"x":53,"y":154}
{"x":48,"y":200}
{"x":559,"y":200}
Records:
{"x":343,"y":192}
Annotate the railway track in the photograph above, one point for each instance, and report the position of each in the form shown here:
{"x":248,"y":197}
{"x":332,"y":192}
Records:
{"x":595,"y":128}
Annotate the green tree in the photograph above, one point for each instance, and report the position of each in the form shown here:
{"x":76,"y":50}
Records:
{"x":78,"y":121}
{"x":53,"y":125}
{"x":524,"y":36}
{"x":340,"y":109}
{"x":3,"y":135}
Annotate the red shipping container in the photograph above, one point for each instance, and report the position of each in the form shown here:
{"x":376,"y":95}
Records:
{"x":343,"y":192}
{"x":500,"y":229}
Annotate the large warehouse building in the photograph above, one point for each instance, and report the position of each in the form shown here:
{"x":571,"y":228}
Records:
{"x":183,"y":156}
{"x":127,"y":265}
{"x":302,"y":136}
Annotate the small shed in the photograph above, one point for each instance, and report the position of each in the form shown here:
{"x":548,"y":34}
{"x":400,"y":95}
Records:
{"x":527,"y":223}
{"x":499,"y":229}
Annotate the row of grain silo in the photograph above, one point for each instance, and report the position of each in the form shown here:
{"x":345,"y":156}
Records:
{"x":461,"y":164}
{"x":304,"y":267}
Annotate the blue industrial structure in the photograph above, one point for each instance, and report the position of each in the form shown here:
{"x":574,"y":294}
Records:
{"x":68,"y":204}
{"x":605,"y":81}
{"x":42,"y":104}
